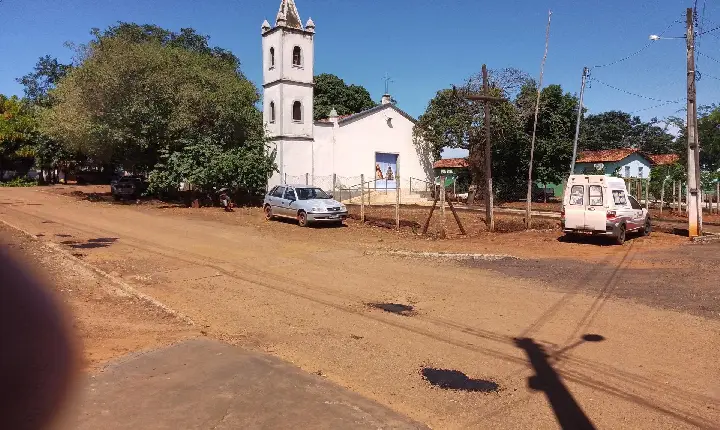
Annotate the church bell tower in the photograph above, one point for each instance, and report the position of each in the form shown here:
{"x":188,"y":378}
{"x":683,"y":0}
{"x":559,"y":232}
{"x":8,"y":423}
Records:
{"x":288,"y":53}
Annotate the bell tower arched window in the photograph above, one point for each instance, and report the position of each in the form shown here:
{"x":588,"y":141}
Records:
{"x":272,"y":112}
{"x":297,"y":56}
{"x":297,"y":112}
{"x":272,"y":58}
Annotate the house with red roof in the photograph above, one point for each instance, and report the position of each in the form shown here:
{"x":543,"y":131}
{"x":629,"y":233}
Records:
{"x":625,"y":162}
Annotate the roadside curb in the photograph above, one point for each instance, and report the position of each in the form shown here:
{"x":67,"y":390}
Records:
{"x":706,"y":238}
{"x":122,"y":285}
{"x":447,"y":255}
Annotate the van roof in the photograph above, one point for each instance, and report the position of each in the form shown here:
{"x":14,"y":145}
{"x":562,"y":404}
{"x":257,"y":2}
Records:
{"x":611,"y":181}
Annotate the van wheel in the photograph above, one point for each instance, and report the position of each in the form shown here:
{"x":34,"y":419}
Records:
{"x":302,"y":219}
{"x":620,"y":239}
{"x":648,"y":228}
{"x":268,"y":213}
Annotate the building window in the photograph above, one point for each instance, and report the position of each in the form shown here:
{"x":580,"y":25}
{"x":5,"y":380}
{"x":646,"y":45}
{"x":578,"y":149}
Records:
{"x":297,"y":56}
{"x":297,"y":112}
{"x":272,"y":112}
{"x":640,"y":171}
{"x":272,"y":58}
{"x":627,"y":171}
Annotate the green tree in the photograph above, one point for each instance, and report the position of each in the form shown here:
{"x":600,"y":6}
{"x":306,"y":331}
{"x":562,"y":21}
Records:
{"x":17,"y":135}
{"x":332,"y":92}
{"x":616,"y":129}
{"x":46,"y":74}
{"x":143,"y":97}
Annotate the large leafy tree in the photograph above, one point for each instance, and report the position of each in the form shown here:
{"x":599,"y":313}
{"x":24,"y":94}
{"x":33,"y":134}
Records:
{"x":617,"y":129}
{"x":46,"y":74}
{"x":332,"y":92}
{"x":147,"y":99}
{"x":17,"y":134}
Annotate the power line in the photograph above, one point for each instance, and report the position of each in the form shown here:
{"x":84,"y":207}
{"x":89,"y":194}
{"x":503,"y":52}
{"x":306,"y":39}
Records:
{"x":633,"y":94}
{"x":657,"y":106}
{"x":709,"y":57}
{"x":639,"y":50}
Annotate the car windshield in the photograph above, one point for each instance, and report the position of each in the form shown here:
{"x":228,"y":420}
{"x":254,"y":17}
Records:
{"x":311,"y":193}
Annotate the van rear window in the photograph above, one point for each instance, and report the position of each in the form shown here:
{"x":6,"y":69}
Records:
{"x":577,"y":193}
{"x":595,"y":194}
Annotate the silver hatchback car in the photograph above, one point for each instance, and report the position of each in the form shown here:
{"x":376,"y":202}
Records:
{"x":305,"y":203}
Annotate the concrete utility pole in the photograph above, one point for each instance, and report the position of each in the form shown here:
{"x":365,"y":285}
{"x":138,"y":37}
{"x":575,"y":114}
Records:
{"x":694,"y":209}
{"x":585,"y":74}
{"x":528,"y":208}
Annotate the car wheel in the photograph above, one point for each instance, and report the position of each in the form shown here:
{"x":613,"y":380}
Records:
{"x":268,"y":213}
{"x":302,"y":219}
{"x":620,"y":238}
{"x":648,"y":227}
{"x":116,"y":197}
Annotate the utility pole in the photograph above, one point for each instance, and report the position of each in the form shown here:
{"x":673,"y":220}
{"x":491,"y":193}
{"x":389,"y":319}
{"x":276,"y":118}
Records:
{"x":528,"y":208}
{"x":486,"y":98}
{"x":585,"y":74}
{"x":694,"y":210}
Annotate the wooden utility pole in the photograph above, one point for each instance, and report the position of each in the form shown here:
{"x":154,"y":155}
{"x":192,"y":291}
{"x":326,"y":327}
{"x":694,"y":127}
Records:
{"x":486,"y":98}
{"x":528,"y":208}
{"x":694,"y":209}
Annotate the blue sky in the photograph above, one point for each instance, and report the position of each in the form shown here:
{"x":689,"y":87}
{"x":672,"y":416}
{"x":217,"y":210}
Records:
{"x":424,"y":45}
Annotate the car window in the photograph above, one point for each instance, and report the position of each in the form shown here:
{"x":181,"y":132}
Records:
{"x":311,"y":193}
{"x":634,"y":203}
{"x":576,"y":194}
{"x":619,"y":197}
{"x":289,"y":194}
{"x":595,"y":195}
{"x":277,"y":192}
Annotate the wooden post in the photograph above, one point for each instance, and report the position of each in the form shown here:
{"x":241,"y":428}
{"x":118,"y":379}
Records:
{"x":362,"y":198}
{"x":397,"y":202}
{"x":489,"y":218}
{"x":717,"y":195}
{"x":662,"y":196}
{"x":457,"y":218}
{"x":647,"y":194}
{"x":674,"y":197}
{"x":442,"y":207}
{"x":285,"y":181}
{"x":432,"y":209}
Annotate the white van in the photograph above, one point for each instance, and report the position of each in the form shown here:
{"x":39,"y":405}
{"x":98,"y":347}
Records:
{"x":601,"y":205}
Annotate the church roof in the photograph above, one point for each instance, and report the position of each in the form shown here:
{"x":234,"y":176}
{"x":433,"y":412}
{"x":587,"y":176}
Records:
{"x":342,"y":119}
{"x":289,"y":11}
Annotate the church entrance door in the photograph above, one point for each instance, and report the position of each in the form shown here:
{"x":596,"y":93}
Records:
{"x":385,"y":170}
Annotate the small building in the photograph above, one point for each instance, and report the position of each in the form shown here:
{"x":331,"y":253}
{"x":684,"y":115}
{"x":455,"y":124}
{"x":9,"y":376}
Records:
{"x":377,"y":143}
{"x":626,"y":163}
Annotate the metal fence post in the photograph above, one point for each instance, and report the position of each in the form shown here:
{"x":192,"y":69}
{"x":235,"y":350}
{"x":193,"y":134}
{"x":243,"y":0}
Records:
{"x":334,"y":184}
{"x":362,"y":198}
{"x":306,"y":179}
{"x":285,"y":180}
{"x":397,"y":203}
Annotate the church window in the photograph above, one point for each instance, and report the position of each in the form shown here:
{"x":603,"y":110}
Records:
{"x":272,"y":58}
{"x":297,"y":56}
{"x":272,"y":112}
{"x":297,"y":111}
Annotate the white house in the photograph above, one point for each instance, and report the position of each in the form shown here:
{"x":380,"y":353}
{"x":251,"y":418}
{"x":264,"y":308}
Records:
{"x":377,"y":143}
{"x":627,"y":162}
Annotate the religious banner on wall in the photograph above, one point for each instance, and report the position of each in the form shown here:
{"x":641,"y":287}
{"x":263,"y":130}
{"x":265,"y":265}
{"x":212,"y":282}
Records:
{"x":385,"y":170}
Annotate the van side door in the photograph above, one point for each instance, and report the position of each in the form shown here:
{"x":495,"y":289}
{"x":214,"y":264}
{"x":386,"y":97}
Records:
{"x":623,"y":210}
{"x":638,"y":219}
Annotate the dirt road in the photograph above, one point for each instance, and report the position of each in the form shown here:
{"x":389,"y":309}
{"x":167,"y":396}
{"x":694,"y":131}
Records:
{"x":561,"y":348}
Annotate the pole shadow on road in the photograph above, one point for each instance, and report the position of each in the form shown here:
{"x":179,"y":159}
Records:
{"x":568,"y":412}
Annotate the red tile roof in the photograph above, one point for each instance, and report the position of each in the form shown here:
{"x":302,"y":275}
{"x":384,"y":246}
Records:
{"x":606,"y":155}
{"x":663,"y":159}
{"x":451,"y":163}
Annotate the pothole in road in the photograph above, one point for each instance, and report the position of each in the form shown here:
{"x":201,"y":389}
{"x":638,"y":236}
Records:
{"x":456,"y":380}
{"x":395,"y":308}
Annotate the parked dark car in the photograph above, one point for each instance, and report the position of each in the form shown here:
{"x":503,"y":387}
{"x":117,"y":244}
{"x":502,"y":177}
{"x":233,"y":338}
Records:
{"x":128,"y":187}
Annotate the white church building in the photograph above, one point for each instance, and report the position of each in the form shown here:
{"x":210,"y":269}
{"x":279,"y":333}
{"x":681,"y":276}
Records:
{"x":377,"y":143}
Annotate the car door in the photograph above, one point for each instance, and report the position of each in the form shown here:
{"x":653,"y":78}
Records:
{"x":287,"y":201}
{"x":638,"y":218}
{"x":595,"y":213}
{"x":274,"y":197}
{"x":575,"y":207}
